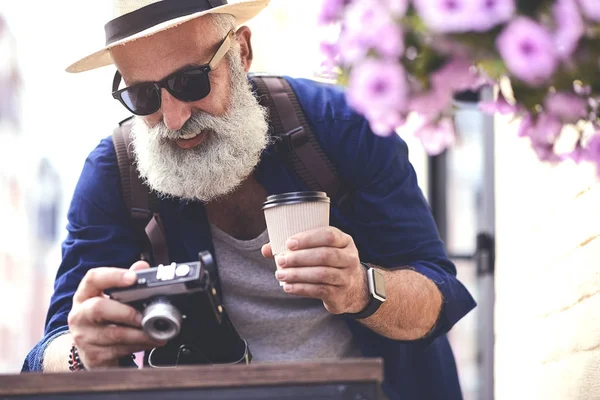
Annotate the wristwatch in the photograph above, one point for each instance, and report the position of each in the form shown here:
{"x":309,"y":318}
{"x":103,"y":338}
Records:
{"x":377,"y":294}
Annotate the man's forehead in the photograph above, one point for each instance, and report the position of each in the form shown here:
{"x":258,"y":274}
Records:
{"x":153,"y":58}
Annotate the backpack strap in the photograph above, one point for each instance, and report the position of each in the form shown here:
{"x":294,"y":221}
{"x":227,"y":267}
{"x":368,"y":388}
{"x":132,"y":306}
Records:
{"x":141,"y":202}
{"x":296,"y":140}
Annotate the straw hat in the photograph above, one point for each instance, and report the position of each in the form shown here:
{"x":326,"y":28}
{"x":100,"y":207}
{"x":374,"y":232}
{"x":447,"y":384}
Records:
{"x":135,"y":19}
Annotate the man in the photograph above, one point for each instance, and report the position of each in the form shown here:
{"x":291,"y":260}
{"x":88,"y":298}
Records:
{"x":208,"y":152}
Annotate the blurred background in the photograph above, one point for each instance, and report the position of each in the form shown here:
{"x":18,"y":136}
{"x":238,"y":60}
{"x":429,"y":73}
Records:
{"x":504,"y":217}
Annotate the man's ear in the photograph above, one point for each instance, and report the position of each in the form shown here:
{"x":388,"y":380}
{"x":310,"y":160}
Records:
{"x":243,"y":35}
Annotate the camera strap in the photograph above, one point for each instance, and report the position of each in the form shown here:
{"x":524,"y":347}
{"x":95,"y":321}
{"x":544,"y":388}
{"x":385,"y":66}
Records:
{"x":295,"y":142}
{"x":141,"y":202}
{"x":298,"y":147}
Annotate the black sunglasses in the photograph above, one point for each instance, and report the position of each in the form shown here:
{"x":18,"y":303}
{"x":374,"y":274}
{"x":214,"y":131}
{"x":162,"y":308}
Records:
{"x":188,"y":84}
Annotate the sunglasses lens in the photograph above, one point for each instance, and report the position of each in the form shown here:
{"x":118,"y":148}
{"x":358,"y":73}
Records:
{"x":142,"y":99}
{"x":190,"y":85}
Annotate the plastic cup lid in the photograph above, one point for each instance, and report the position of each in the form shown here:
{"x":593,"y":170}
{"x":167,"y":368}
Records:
{"x":295,"y":197}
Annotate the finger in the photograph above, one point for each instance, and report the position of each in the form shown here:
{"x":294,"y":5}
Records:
{"x":314,"y":275}
{"x":321,"y":256}
{"x":111,"y":335}
{"x":96,"y":280}
{"x":267,"y":251}
{"x":100,"y":311}
{"x":102,"y":357}
{"x":313,"y":291}
{"x":320,"y":237}
{"x":139,"y":265}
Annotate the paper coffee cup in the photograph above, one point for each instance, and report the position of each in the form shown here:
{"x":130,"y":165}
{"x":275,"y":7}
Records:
{"x":290,"y":213}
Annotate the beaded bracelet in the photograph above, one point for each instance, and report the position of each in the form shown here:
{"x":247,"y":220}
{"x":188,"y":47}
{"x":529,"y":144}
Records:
{"x":75,"y":363}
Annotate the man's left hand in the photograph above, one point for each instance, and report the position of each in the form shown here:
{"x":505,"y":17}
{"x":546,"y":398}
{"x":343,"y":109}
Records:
{"x":323,"y":264}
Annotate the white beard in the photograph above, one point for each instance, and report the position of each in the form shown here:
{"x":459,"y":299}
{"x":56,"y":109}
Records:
{"x":227,"y":156}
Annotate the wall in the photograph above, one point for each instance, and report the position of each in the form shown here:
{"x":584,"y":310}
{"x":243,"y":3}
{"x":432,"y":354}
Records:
{"x":548,"y":276}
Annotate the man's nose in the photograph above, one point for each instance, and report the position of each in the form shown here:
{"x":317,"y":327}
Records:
{"x":175,"y":112}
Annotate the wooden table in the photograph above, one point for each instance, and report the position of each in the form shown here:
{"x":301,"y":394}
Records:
{"x":348,"y":379}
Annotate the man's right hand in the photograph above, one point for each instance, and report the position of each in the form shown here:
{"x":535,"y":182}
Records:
{"x":103,"y":329}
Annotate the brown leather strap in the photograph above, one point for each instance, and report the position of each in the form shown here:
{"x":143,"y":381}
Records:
{"x":141,"y":202}
{"x":156,"y":234}
{"x":304,"y":153}
{"x":123,"y":162}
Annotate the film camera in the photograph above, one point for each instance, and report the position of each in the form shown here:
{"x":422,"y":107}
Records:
{"x":180,"y":304}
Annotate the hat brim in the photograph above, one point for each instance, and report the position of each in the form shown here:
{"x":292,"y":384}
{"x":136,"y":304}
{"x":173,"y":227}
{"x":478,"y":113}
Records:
{"x":242,"y":11}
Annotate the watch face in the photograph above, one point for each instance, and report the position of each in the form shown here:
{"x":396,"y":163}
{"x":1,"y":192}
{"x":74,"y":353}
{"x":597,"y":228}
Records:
{"x":379,"y":283}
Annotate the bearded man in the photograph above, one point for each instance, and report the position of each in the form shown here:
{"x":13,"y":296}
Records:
{"x":202,"y":142}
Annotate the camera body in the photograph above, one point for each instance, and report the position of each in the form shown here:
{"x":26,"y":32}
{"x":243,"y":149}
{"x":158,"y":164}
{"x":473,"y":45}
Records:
{"x":180,"y":304}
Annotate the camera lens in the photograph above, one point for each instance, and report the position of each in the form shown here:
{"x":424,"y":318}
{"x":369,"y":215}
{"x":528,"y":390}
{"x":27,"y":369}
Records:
{"x":161,"y":325}
{"x":161,"y":320}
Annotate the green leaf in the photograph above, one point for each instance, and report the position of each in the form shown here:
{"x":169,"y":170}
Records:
{"x":426,"y":62}
{"x":481,"y":44}
{"x":530,"y":97}
{"x":343,"y":78}
{"x":493,"y":67}
{"x":532,"y":7}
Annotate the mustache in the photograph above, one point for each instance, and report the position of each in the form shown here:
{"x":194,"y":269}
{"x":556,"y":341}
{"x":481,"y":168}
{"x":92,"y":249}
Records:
{"x":199,"y":121}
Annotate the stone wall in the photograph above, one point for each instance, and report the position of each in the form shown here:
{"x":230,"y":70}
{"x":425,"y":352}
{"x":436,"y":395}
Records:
{"x":548,"y":276}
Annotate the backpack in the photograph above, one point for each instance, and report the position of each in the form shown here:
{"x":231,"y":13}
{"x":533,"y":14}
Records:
{"x":294,"y":140}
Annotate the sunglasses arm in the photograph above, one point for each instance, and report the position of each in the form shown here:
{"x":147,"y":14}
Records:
{"x":116,"y":81}
{"x":223,"y":48}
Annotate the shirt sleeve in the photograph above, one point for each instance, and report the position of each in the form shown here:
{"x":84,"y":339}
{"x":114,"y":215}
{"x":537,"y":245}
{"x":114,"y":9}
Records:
{"x":99,"y":234}
{"x":391,"y":221}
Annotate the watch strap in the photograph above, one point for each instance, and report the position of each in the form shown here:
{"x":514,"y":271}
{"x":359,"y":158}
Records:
{"x":372,"y":306}
{"x":369,"y":310}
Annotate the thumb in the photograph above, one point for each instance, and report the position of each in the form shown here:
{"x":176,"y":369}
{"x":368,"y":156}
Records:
{"x":139,"y":265}
{"x":267,"y":251}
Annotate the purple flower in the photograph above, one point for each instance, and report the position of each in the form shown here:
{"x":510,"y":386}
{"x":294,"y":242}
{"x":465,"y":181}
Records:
{"x":543,"y":133}
{"x":388,"y":40}
{"x":464,"y":15}
{"x":570,"y":27}
{"x":332,"y":10}
{"x":430,"y":104}
{"x":446,"y":15}
{"x":378,"y":87}
{"x":592,"y":151}
{"x":330,"y":53}
{"x":577,"y":155}
{"x":489,"y":13}
{"x":369,"y":25}
{"x":527,"y":126}
{"x":528,"y":50}
{"x":396,"y":7}
{"x":384,"y":124}
{"x":545,"y":151}
{"x":456,"y":76}
{"x":541,"y":130}
{"x":547,"y":129}
{"x":436,"y":137}
{"x":591,"y":9}
{"x":592,"y":148}
{"x":500,"y":106}
{"x":566,"y":106}
{"x":364,"y":15}
{"x":353,"y":47}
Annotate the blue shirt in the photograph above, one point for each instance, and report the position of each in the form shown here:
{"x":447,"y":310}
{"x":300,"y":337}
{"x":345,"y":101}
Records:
{"x":391,"y":224}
